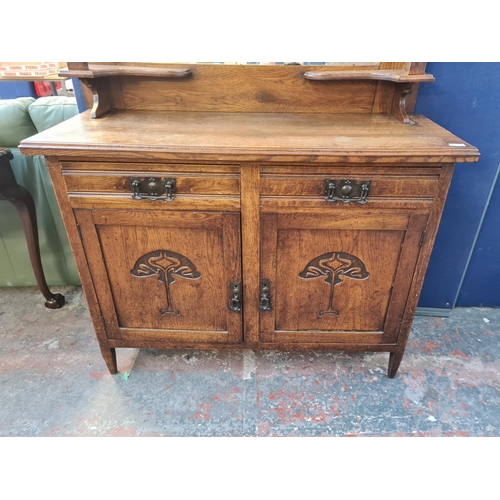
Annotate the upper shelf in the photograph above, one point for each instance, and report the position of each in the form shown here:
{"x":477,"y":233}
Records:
{"x":233,"y":88}
{"x":398,"y":76}
{"x":394,"y":75}
{"x":98,"y":71}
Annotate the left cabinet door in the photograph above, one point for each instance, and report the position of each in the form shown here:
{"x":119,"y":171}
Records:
{"x":165,"y":276}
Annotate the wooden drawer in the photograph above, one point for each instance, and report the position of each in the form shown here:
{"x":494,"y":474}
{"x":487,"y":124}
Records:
{"x":388,"y":185}
{"x":203,"y":187}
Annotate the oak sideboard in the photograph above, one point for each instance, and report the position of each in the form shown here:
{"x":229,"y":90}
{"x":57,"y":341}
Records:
{"x":251,"y":206}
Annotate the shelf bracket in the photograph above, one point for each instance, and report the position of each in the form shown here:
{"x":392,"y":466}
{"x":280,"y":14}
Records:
{"x":100,"y":104}
{"x":401,"y":92}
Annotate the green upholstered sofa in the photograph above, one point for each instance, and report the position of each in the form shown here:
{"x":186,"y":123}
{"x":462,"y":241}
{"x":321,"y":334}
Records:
{"x":21,"y":118}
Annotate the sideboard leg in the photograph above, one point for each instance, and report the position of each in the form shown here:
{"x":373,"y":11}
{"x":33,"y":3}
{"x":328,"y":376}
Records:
{"x":109,"y":355}
{"x":394,"y":362}
{"x":25,"y":206}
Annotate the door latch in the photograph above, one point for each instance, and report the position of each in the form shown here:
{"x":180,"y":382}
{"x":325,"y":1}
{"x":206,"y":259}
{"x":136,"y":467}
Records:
{"x":236,"y":296}
{"x":265,"y":295}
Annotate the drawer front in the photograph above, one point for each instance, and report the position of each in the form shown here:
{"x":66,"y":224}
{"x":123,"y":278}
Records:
{"x":132,"y":185}
{"x":395,"y":185}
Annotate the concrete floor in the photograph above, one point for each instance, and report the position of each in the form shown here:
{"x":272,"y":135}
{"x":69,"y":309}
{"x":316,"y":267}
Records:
{"x":53,"y":382}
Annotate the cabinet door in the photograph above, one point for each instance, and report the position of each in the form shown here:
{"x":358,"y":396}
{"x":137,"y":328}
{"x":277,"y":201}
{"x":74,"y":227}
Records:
{"x":164,"y":275}
{"x":337,"y":279}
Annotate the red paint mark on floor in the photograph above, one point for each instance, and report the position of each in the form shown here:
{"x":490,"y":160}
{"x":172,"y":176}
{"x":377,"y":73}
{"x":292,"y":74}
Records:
{"x":319,"y":418}
{"x":457,"y":433}
{"x":439,"y":323}
{"x":98,"y":375}
{"x":229,"y":396}
{"x":282,"y":413}
{"x":456,"y":352}
{"x":334,"y":411}
{"x":430,"y":346}
{"x":121,"y":432}
{"x":203,"y":411}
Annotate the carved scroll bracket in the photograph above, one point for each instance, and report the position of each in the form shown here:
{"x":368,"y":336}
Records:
{"x":106,"y":92}
{"x":100,"y":103}
{"x":401,"y":92}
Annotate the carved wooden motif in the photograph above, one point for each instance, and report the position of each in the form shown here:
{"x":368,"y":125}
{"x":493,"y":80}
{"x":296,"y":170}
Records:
{"x":334,"y":266}
{"x":166,"y":265}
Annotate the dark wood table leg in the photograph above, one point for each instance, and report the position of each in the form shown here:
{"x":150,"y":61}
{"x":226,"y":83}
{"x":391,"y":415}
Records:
{"x":21,"y":198}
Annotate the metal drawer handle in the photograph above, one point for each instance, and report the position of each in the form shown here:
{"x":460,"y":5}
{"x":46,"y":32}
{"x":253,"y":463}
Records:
{"x":152,"y":188}
{"x":347,"y":191}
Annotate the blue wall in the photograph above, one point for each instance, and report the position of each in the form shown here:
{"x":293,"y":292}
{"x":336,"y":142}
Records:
{"x":481,"y":286}
{"x":10,"y":89}
{"x":465,"y":99}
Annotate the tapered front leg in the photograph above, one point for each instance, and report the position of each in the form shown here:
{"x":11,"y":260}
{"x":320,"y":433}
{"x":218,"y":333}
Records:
{"x":109,"y":355}
{"x":395,"y":359}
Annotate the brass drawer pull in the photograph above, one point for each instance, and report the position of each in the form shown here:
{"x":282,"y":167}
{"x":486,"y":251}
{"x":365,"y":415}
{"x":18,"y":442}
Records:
{"x":152,"y":188}
{"x":347,"y":191}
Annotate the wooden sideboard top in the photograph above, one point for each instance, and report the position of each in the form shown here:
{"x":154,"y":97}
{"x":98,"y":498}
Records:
{"x":260,"y":135}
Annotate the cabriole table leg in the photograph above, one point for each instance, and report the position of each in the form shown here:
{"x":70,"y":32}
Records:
{"x":21,"y":198}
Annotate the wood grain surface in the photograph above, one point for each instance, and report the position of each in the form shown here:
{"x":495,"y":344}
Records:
{"x":132,"y":304}
{"x":324,"y":135}
{"x":289,"y":242}
{"x":387,"y":76}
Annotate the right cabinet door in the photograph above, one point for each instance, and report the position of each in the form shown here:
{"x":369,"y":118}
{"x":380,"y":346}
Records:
{"x":336,"y":277}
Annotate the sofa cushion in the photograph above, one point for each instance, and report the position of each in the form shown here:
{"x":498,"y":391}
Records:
{"x":46,"y":112}
{"x":15,"y":121}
